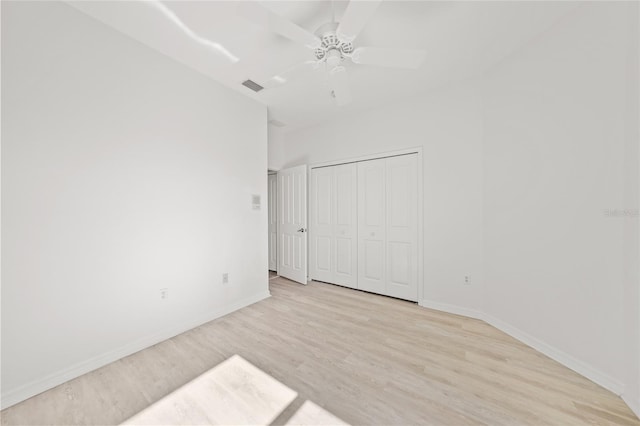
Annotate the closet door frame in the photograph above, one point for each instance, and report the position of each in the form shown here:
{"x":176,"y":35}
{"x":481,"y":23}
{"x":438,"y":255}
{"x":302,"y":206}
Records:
{"x":418,"y":152}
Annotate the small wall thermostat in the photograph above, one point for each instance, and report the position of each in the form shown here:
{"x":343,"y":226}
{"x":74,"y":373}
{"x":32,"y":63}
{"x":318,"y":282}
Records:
{"x":255,"y":201}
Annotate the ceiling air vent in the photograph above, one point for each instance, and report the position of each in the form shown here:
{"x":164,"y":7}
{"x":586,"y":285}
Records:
{"x":252,"y":85}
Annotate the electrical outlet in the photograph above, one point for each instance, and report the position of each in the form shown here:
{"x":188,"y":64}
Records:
{"x":225,"y":278}
{"x":164,"y":293}
{"x":467,"y":279}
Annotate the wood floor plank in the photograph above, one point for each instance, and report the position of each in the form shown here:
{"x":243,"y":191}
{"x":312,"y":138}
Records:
{"x":364,"y":358}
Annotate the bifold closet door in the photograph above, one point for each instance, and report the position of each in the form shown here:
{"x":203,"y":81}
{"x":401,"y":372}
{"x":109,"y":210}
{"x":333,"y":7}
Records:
{"x":402,"y":227}
{"x":371,"y":225}
{"x":333,"y":230}
{"x":321,"y":225}
{"x":346,"y":228}
{"x":388,"y":226}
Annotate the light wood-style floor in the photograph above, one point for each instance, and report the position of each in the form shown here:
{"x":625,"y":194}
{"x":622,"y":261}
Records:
{"x":367,"y":359}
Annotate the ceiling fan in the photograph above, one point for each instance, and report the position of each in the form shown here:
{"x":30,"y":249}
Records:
{"x":332,"y":45}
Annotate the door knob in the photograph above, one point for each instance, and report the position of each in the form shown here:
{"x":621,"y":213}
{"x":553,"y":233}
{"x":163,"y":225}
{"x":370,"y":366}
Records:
{"x":301,"y":230}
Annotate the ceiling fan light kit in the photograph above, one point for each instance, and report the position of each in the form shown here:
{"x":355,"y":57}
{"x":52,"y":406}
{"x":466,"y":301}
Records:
{"x":332,"y":43}
{"x":332,"y":49}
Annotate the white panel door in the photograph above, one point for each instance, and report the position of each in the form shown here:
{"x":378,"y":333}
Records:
{"x":292,"y":223}
{"x":371,"y":226}
{"x":273,"y":221}
{"x":333,"y":225}
{"x":402,"y":227}
{"x":321,"y":229}
{"x":346,"y":228}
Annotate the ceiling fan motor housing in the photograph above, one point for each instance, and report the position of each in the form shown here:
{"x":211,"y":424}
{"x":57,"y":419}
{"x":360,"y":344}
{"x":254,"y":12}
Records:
{"x":332,"y":50}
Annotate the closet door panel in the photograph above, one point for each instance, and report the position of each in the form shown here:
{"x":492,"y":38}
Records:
{"x":373,"y":259}
{"x":323,"y":254}
{"x":344,"y":257}
{"x":402,"y":227}
{"x":345,"y":229}
{"x":321,"y":205}
{"x":371,"y":226}
{"x":346,"y":181}
{"x":399,"y":263}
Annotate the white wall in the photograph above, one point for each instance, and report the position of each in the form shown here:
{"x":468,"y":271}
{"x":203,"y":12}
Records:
{"x":554,"y":149}
{"x":275,"y":157}
{"x":123,"y":172}
{"x":519,"y":168}
{"x":447,"y":124}
{"x":632,"y":224}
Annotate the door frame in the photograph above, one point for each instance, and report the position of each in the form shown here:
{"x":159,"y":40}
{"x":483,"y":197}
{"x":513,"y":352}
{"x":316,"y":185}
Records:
{"x":415,"y":150}
{"x":273,"y":173}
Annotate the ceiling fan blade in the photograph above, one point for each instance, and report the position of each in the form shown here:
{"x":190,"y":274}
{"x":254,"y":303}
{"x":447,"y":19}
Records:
{"x":355,"y":18}
{"x":263,"y":17}
{"x":290,"y":74}
{"x":339,"y":83}
{"x":383,"y":57}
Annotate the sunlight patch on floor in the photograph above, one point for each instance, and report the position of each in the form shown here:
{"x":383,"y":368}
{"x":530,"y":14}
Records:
{"x":312,"y":414}
{"x":233,"y":392}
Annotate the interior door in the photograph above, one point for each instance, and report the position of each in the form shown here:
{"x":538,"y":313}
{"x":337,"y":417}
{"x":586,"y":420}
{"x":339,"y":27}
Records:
{"x":371,"y":226}
{"x":273,"y":221}
{"x":292,"y":223}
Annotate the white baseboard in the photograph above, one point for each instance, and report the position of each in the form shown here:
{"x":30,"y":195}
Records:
{"x":556,"y":354}
{"x":633,"y":404}
{"x":451,"y":309}
{"x":14,"y":396}
{"x":563,"y":358}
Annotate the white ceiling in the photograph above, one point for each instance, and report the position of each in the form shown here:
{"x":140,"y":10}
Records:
{"x":462,"y":40}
